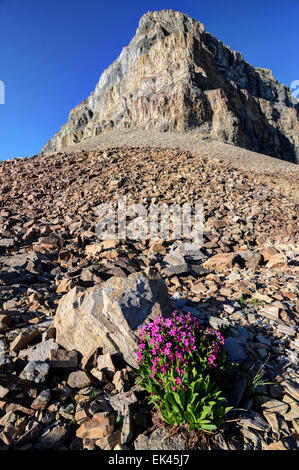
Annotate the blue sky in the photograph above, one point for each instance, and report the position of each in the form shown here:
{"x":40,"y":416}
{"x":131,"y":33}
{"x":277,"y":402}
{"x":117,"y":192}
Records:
{"x":52,"y":52}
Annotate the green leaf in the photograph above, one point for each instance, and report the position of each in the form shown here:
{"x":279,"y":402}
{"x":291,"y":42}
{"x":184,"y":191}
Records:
{"x":205,"y":411}
{"x":208,"y":427}
{"x":170,"y":398}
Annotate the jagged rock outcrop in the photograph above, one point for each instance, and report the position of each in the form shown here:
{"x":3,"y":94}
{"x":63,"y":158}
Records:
{"x":175,"y":76}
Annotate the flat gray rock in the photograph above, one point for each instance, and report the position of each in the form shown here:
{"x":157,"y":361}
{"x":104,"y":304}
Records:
{"x":41,"y":351}
{"x":234,"y":349}
{"x":159,"y":440}
{"x":36,"y":371}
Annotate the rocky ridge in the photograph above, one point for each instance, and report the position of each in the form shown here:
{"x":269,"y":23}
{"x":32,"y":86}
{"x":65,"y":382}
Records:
{"x":54,"y":396}
{"x":175,"y":76}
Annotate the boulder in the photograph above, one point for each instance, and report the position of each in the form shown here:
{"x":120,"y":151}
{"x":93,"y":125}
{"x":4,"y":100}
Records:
{"x":110,"y":316}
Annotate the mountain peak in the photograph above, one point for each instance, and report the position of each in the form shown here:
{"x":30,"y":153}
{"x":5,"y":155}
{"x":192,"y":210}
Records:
{"x":175,"y":76}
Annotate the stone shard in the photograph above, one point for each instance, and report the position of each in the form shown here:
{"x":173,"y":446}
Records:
{"x":61,"y":359}
{"x":110,"y":316}
{"x":36,"y":371}
{"x":24,"y":338}
{"x":41,"y":352}
{"x":221,"y":261}
{"x":100,"y":425}
{"x":175,"y":76}
{"x":234,"y":349}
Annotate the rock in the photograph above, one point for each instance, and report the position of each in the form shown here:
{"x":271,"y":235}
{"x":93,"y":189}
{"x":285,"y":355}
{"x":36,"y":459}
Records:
{"x":295,"y":424}
{"x":30,"y":435}
{"x":67,"y":412}
{"x":278,"y":445}
{"x":234,"y":349}
{"x":270,"y":312}
{"x":37,"y":371}
{"x":61,"y":359}
{"x":94,"y":249}
{"x":53,"y":438}
{"x":100,"y":425}
{"x":236,"y":392}
{"x":3,"y":391}
{"x":89,"y":444}
{"x":15,"y":277}
{"x":17,"y":407}
{"x":42,"y":400}
{"x":8,"y":418}
{"x":24,"y":338}
{"x":269,"y":252}
{"x":100,"y":404}
{"x":79,"y":379}
{"x":251,"y":437}
{"x":127,"y":428}
{"x":7,"y":242}
{"x":273,"y":421}
{"x":122,"y":401}
{"x":177,"y":269}
{"x":252,"y":259}
{"x":110,"y":316}
{"x":291,"y":387}
{"x":41,"y":352}
{"x":159,"y":440}
{"x":64,"y":286}
{"x":110,"y":441}
{"x":109,"y":244}
{"x":216,"y":322}
{"x":142,"y":442}
{"x":254,"y":420}
{"x":220,"y":262}
{"x":278,"y":260}
{"x":81,"y":413}
{"x":275,"y":406}
{"x":89,"y":361}
{"x":263,"y":340}
{"x":99,"y":375}
{"x":198,"y":288}
{"x":106,"y":365}
{"x":293,"y":413}
{"x":119,"y":380}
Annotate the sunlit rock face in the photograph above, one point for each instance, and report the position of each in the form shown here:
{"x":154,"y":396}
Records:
{"x":175,"y":76}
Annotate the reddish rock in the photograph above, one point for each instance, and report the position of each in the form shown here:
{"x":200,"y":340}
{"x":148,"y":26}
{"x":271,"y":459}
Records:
{"x":100,"y":425}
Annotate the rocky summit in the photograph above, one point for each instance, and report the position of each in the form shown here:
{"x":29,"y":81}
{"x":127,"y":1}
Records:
{"x":71,"y":305}
{"x":175,"y":76}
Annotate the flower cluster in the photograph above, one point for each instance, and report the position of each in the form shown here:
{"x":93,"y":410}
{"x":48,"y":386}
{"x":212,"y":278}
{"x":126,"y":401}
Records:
{"x":167,"y":345}
{"x":181,"y":365}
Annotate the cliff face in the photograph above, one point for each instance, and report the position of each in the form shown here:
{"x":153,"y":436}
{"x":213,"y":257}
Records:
{"x":175,"y":76}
